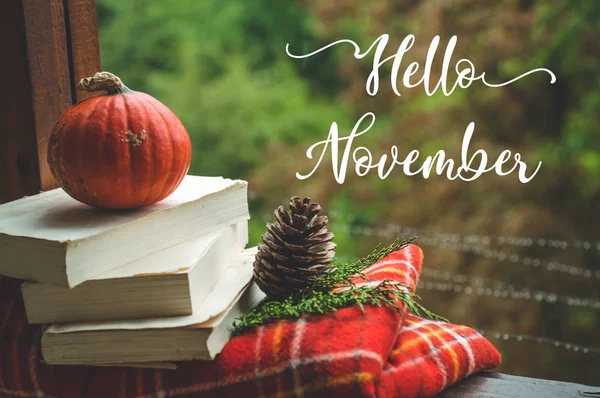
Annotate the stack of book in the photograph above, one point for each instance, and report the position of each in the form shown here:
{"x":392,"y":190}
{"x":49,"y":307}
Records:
{"x":134,"y":287}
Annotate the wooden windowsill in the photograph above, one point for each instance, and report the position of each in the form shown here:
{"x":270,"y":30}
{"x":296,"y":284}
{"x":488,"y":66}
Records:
{"x":496,"y":385}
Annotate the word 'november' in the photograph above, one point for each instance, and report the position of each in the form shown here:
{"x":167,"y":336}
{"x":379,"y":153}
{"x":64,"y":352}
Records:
{"x":471,"y":167}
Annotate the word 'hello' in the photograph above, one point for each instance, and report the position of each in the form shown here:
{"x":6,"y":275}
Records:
{"x":465,"y":69}
{"x":466,"y":75}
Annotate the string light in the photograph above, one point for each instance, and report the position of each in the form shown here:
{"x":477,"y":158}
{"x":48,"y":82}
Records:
{"x":478,"y":239}
{"x":454,"y":243}
{"x":539,"y":340}
{"x":510,"y":293}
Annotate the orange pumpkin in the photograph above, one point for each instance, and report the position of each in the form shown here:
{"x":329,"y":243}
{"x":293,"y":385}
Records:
{"x":120,"y":150}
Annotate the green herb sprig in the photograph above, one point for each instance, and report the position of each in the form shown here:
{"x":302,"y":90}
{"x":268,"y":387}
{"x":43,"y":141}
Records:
{"x":317,"y":298}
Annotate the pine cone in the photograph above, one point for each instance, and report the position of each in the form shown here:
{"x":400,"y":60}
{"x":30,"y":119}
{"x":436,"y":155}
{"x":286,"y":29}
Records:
{"x":296,"y":249}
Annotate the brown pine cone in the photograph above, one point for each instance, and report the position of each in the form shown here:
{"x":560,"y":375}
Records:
{"x":296,"y":249}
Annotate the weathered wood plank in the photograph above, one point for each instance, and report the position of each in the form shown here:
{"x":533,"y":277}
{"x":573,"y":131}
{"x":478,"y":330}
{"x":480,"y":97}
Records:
{"x":35,"y":67}
{"x":19,"y":172}
{"x":48,"y":73}
{"x":82,"y":28}
{"x":43,"y":54}
{"x":495,"y":385}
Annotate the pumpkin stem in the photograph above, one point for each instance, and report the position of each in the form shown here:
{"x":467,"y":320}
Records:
{"x":101,"y":81}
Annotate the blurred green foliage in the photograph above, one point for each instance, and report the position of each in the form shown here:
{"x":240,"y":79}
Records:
{"x":221,"y":67}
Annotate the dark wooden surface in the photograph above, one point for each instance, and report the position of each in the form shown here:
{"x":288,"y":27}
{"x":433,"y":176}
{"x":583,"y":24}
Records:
{"x":19,"y":173}
{"x":48,"y":67}
{"x":496,"y":385}
{"x":82,"y":29}
{"x":39,"y":63}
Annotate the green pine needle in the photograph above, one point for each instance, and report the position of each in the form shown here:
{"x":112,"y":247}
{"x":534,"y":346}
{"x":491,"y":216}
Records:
{"x":317,"y":299}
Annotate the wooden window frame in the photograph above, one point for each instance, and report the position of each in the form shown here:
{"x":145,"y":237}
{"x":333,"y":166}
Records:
{"x":47,"y":46}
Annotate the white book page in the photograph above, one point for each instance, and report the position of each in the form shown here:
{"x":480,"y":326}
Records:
{"x":55,"y":216}
{"x":175,"y":259}
{"x":223,"y":297}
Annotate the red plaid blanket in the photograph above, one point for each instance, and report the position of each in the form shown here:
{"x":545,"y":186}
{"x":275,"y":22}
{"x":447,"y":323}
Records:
{"x":346,"y":353}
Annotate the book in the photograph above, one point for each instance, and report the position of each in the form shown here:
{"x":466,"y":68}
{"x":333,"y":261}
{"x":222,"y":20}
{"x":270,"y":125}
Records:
{"x":53,"y":239}
{"x":201,"y":335}
{"x":171,"y":282}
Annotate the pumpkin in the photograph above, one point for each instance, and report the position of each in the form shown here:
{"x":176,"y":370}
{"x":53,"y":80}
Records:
{"x":119,"y":150}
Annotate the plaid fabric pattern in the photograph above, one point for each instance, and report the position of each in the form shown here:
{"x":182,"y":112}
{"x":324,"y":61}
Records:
{"x":347,"y":353}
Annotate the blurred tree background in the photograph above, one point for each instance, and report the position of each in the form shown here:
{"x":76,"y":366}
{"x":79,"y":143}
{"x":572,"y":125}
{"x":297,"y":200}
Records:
{"x":252,"y":112}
